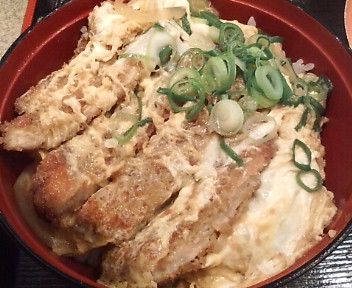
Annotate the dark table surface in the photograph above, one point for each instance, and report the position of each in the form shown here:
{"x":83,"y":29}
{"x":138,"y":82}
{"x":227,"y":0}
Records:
{"x":20,"y":270}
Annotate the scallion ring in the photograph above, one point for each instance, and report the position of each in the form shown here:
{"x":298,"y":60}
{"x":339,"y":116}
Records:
{"x":185,"y":24}
{"x":300,"y":87}
{"x":238,"y":49}
{"x":306,"y":155}
{"x":178,"y":101}
{"x":304,"y":118}
{"x":223,"y":69}
{"x":196,"y":108}
{"x":193,"y":58}
{"x":184,"y":91}
{"x":270,"y":81}
{"x":182,"y":74}
{"x":157,"y":42}
{"x":266,"y":40}
{"x":229,"y":32}
{"x":230,"y":152}
{"x":226,"y":117}
{"x":320,"y":88}
{"x":165,"y":55}
{"x":211,"y":18}
{"x":261,"y":99}
{"x":126,"y":136}
{"x":300,"y":178}
{"x":209,"y":84}
{"x":258,"y":52}
{"x":318,"y":110}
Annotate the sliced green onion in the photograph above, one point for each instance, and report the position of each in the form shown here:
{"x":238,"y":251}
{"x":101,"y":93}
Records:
{"x":303,"y":120}
{"x":184,"y":91}
{"x":311,"y":104}
{"x":305,"y":167}
{"x":158,"y":40}
{"x":209,"y":84}
{"x":182,"y":74}
{"x":258,"y":52}
{"x":298,"y":145}
{"x":231,"y":153}
{"x":261,"y":99}
{"x":300,"y":87}
{"x":319,"y":89}
{"x":185,"y":24}
{"x":229,"y":32}
{"x":144,"y":121}
{"x":174,"y":106}
{"x":223,"y":69}
{"x":270,"y":81}
{"x":201,"y":98}
{"x":318,"y":110}
{"x":128,"y":134}
{"x":174,"y":99}
{"x":212,"y":19}
{"x":262,"y":40}
{"x":317,"y":177}
{"x":165,"y":55}
{"x":238,"y":49}
{"x":288,"y":97}
{"x":226,"y":117}
{"x":266,"y":40}
{"x":193,"y":58}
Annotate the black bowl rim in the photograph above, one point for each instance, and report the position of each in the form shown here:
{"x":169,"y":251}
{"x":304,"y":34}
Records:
{"x":309,"y":265}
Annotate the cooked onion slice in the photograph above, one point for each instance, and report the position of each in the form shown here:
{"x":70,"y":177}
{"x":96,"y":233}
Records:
{"x":153,"y":15}
{"x":260,"y":128}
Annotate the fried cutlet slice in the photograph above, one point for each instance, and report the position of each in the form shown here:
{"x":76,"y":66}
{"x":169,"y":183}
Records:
{"x":58,"y":120}
{"x":91,"y":83}
{"x":176,"y":240}
{"x":138,"y":190}
{"x":118,"y":210}
{"x":67,"y":176}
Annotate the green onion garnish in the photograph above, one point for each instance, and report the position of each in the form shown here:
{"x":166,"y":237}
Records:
{"x":317,"y":177}
{"x":270,"y":82}
{"x":305,"y":167}
{"x":212,"y":19}
{"x":165,"y":55}
{"x":231,"y":153}
{"x":229,"y":32}
{"x":303,"y":120}
{"x":127,"y":135}
{"x":299,"y":145}
{"x":185,"y":24}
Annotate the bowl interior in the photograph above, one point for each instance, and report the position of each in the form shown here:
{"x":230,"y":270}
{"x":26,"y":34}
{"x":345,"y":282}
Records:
{"x":50,"y":43}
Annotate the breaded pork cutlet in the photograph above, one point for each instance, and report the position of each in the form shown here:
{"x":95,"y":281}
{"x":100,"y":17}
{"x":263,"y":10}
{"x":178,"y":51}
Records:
{"x":67,"y":176}
{"x":91,"y":83}
{"x":140,"y":184}
{"x":178,"y":238}
{"x":138,"y":190}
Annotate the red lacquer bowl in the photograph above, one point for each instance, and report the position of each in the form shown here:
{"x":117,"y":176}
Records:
{"x":44,"y":47}
{"x":348,"y":21}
